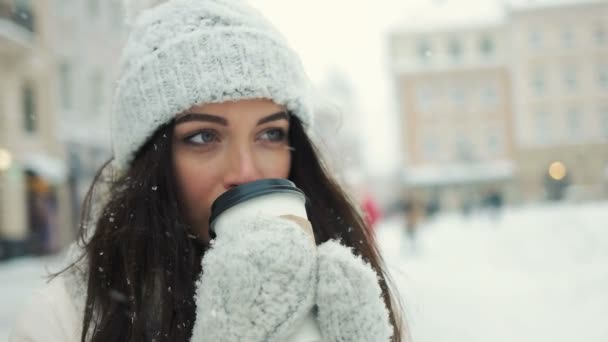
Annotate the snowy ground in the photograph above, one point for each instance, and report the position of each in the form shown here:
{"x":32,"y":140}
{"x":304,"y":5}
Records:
{"x":18,"y":279}
{"x":537,"y":274}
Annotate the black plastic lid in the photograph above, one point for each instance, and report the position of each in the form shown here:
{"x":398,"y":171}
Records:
{"x":251,"y":190}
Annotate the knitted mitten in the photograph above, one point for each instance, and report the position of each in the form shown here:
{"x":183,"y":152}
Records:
{"x":258,"y":280}
{"x":349,"y":298}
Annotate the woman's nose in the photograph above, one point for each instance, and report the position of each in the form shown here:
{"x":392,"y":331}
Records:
{"x":241,"y":168}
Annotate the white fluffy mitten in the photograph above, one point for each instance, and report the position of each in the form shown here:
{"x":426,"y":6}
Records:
{"x":349,"y":298}
{"x":258,"y":280}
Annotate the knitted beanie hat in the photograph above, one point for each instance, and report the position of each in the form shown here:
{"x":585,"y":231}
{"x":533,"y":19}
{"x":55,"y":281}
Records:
{"x":182,"y":53}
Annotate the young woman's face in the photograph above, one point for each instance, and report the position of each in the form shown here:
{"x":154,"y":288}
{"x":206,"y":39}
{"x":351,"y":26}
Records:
{"x":219,"y":146}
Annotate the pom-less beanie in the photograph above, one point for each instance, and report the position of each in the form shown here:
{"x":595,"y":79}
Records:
{"x":182,"y":53}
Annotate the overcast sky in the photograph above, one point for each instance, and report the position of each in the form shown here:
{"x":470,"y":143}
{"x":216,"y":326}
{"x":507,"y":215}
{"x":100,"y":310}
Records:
{"x":347,"y":36}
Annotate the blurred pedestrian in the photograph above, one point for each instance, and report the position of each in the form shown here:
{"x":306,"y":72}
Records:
{"x":371,"y":211}
{"x":414,"y":212}
{"x":493,"y":201}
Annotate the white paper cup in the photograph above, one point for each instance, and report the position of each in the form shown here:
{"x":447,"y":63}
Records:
{"x":275,"y":197}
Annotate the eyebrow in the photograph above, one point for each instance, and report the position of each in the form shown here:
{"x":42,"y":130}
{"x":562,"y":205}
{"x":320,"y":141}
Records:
{"x":187,"y":117}
{"x":274,"y":117}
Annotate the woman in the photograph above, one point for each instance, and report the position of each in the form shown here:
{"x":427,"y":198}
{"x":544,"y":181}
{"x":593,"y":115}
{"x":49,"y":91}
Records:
{"x":210,"y":96}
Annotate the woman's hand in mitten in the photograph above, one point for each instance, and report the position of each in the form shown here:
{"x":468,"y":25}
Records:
{"x":349,"y":298}
{"x":304,"y":224}
{"x":258,"y":279}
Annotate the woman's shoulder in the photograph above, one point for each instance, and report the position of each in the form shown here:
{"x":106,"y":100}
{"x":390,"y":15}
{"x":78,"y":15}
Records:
{"x":49,"y":315}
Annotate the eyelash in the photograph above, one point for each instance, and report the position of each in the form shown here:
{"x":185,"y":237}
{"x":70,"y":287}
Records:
{"x":189,"y":139}
{"x":282,"y":134}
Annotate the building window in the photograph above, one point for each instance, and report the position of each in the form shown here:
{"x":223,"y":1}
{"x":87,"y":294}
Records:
{"x":464,"y":150}
{"x":94,"y":8}
{"x":455,"y":49}
{"x":570,"y":78}
{"x":489,"y":95}
{"x":96,"y":92}
{"x":602,"y":75}
{"x":486,"y":46}
{"x":494,"y":143}
{"x":424,"y":51}
{"x":116,"y":14}
{"x":542,"y":125}
{"x":29,"y":108}
{"x":538,"y":82}
{"x":604,"y":120}
{"x":535,"y":39}
{"x":600,"y":35}
{"x":458,"y":96}
{"x":573,"y":118}
{"x":23,"y":13}
{"x":65,"y":85}
{"x":424,"y":98}
{"x":430,"y":148}
{"x":567,"y":38}
{"x":63,"y":5}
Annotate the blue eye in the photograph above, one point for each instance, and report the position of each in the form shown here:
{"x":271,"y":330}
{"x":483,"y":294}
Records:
{"x":202,"y":137}
{"x":274,"y":135}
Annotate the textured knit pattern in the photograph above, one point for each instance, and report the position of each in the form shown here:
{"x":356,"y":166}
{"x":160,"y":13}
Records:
{"x":182,"y":53}
{"x":349,"y":298}
{"x":258,"y":281}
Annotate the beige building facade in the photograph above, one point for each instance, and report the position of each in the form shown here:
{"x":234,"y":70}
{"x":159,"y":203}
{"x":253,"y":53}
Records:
{"x":33,"y":195}
{"x":454,"y":92}
{"x":560,"y":82}
{"x":58,"y":59}
{"x":85,"y":39}
{"x":512,"y":100}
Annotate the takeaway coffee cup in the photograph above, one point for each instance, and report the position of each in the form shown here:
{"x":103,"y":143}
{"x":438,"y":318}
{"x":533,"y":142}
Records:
{"x":268,"y":196}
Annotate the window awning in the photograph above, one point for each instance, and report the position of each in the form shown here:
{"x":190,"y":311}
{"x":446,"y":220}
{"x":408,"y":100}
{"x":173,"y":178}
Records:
{"x":51,"y":168}
{"x":458,"y":173}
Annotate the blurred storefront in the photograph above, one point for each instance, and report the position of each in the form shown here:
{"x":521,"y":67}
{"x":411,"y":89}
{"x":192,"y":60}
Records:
{"x":85,"y":39}
{"x":461,"y":186}
{"x":33,"y":196}
{"x":563,"y":172}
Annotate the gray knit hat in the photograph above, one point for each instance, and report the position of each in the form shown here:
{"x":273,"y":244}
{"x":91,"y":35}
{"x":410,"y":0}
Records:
{"x":182,"y":53}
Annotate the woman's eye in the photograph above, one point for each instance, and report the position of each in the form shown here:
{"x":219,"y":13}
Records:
{"x":202,"y":137}
{"x":274,"y":135}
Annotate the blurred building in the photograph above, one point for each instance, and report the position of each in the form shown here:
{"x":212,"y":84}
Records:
{"x":560,"y":86}
{"x":454,"y":87}
{"x":58,"y":61}
{"x":85,"y":40}
{"x":32,"y":172}
{"x":506,"y":99}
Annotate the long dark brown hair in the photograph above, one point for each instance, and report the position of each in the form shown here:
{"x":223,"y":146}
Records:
{"x":144,"y":260}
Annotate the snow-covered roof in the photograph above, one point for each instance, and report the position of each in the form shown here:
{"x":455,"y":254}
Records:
{"x":437,"y":15}
{"x":458,"y":173}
